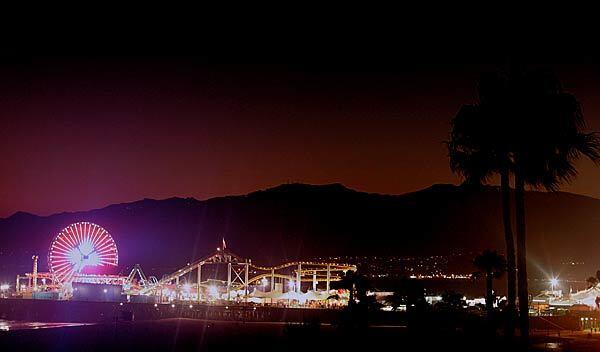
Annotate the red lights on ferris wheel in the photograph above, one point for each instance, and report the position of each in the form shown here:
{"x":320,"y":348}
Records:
{"x":79,"y":249}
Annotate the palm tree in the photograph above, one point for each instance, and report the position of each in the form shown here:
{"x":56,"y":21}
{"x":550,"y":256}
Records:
{"x":545,"y":144}
{"x":525,"y":125}
{"x":356,"y":284}
{"x":491,"y":265}
{"x":478,"y":149}
{"x":359,"y":303}
{"x":453,"y":301}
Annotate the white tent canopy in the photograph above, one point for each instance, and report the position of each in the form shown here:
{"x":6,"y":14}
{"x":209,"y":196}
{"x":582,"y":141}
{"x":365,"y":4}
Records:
{"x":291,"y":295}
{"x":316,"y":295}
{"x":587,"y":297}
{"x":261,"y":294}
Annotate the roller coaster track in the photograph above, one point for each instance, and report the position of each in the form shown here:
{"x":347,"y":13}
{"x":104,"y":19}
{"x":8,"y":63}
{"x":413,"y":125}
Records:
{"x":320,"y":271}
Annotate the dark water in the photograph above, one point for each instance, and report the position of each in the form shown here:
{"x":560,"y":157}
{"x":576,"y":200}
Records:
{"x":11,"y":325}
{"x":199,"y":335}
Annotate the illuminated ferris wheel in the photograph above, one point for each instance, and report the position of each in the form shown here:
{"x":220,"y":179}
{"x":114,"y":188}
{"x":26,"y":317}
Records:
{"x":82,"y":248}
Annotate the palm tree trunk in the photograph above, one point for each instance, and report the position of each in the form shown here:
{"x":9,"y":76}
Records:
{"x":489,"y":293}
{"x":510,"y":252}
{"x":522,"y":257}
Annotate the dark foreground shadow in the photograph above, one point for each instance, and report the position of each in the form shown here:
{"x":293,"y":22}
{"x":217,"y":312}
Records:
{"x":195,"y":335}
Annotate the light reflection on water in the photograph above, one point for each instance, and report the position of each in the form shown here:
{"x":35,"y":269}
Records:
{"x":549,"y":346}
{"x":11,"y":325}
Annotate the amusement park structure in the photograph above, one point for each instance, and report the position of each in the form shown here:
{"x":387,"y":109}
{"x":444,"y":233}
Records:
{"x":224,"y":275}
{"x":82,"y":252}
{"x":81,"y":249}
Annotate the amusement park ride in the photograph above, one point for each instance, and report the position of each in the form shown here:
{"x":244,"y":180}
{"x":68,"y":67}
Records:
{"x":79,"y":253}
{"x":82,"y":252}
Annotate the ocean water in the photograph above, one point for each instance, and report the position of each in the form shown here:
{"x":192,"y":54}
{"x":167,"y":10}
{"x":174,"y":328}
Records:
{"x":11,"y":325}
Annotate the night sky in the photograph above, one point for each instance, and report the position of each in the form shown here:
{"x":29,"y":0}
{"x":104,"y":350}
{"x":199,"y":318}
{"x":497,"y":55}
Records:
{"x":82,"y":129}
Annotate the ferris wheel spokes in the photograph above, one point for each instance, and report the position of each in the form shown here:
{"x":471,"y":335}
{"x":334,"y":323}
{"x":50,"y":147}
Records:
{"x":80,"y":249}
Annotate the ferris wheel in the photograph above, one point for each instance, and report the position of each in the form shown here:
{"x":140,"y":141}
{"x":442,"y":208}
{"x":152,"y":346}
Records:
{"x":82,"y":248}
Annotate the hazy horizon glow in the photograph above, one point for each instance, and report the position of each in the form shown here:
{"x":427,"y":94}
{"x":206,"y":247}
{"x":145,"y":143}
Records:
{"x":82,"y":134}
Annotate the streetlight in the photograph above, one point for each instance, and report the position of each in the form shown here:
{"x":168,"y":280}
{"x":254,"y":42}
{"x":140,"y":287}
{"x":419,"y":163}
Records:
{"x":553,"y":283}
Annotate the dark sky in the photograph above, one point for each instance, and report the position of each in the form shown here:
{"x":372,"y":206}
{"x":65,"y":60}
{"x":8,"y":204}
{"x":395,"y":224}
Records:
{"x":84,"y":127}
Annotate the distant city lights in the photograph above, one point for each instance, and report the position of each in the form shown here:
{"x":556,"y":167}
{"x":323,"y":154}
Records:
{"x":442,"y":276}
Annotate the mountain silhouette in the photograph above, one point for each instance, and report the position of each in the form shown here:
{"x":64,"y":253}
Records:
{"x":295,"y":221}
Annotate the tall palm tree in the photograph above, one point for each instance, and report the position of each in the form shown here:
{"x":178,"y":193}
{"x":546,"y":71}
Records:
{"x":491,"y":265}
{"x":494,"y":95}
{"x":525,"y":124}
{"x":478,"y":149}
{"x":547,"y":139}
